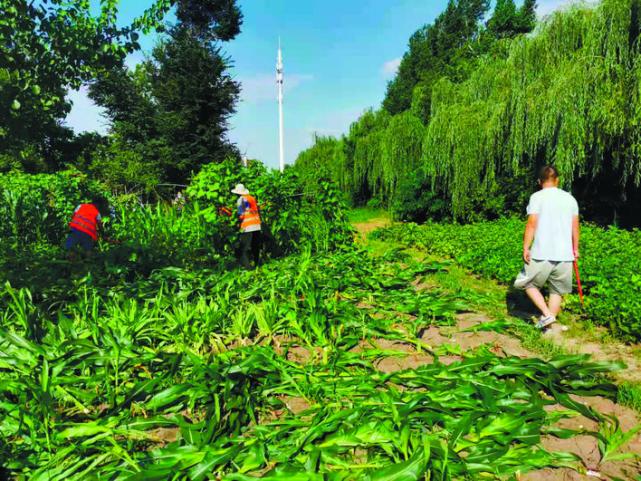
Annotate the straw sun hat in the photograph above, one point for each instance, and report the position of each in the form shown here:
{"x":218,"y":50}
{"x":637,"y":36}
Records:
{"x":240,"y":189}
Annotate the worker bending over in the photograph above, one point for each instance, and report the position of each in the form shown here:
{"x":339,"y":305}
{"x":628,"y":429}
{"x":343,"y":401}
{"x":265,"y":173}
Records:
{"x":84,"y":228}
{"x":250,"y":233}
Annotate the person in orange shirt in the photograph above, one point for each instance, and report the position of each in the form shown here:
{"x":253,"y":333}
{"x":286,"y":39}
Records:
{"x":250,"y":226}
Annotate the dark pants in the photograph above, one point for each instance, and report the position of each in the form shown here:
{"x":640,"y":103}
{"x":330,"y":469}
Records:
{"x":250,"y":242}
{"x":76,"y":238}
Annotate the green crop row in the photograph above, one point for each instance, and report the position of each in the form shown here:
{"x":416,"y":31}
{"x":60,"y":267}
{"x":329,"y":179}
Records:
{"x":192,"y":375}
{"x":609,"y":263}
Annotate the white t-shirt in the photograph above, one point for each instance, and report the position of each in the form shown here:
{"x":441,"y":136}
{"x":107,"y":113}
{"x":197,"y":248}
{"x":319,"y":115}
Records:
{"x":555,"y":209}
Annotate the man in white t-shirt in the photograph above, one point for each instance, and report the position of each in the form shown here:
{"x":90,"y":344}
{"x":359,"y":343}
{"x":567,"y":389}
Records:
{"x":550,"y":246}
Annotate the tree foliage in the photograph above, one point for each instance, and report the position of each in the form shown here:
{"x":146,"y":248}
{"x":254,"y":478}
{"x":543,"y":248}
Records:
{"x":509,"y":21}
{"x":172,"y":109}
{"x":449,"y":45}
{"x":211,"y":19}
{"x":46,"y":48}
{"x":196,"y":96}
{"x":567,"y":94}
{"x":431,"y":49}
{"x":50,"y":47}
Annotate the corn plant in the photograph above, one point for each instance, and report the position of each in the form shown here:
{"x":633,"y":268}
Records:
{"x":190,"y":375}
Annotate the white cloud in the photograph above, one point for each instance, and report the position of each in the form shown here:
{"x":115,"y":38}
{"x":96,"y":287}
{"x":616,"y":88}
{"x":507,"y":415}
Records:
{"x":262,"y":87}
{"x":390,"y":67}
{"x":85,"y":116}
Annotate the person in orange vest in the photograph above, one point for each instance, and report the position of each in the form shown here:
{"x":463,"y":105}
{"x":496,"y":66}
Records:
{"x":84,"y":228}
{"x":250,"y":229}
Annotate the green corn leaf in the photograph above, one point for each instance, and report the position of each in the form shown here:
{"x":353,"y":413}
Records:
{"x":411,"y":470}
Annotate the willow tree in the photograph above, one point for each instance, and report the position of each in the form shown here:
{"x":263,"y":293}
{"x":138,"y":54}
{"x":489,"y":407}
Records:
{"x":326,"y":158}
{"x":364,"y":147}
{"x":377,"y":153}
{"x":401,"y":150}
{"x":567,"y":95}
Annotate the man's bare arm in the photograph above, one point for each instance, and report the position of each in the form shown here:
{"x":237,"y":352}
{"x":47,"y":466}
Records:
{"x":576,"y":235}
{"x":528,"y":237}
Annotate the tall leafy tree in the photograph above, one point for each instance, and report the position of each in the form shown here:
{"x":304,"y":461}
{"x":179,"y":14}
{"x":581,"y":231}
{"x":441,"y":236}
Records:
{"x":47,"y":47}
{"x":171,"y":112}
{"x":431,"y":50}
{"x":195,"y":96}
{"x":527,"y":16}
{"x":504,"y":21}
{"x":211,"y":19}
{"x":508,"y":21}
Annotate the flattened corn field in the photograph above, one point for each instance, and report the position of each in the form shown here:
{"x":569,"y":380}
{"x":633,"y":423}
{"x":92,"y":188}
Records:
{"x":344,"y":366}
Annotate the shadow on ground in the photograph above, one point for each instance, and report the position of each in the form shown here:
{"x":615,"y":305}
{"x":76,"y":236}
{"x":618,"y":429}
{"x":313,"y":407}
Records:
{"x":519,"y":305}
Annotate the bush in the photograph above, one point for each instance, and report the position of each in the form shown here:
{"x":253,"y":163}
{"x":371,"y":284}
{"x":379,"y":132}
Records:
{"x":36,"y":208}
{"x":292,"y":216}
{"x":609,"y":271}
{"x":416,"y":201}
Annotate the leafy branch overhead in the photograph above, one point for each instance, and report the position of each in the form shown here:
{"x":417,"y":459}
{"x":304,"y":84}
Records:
{"x":49,"y":47}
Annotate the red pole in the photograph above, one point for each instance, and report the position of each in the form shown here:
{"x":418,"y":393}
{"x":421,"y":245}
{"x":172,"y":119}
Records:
{"x":578,"y":281}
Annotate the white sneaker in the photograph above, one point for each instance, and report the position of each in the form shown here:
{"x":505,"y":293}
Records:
{"x":545,"y":321}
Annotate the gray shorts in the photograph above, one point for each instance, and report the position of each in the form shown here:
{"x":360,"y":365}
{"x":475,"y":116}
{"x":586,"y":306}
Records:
{"x":558,"y":275}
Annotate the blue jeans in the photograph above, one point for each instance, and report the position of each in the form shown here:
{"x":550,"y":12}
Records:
{"x":77,"y":237}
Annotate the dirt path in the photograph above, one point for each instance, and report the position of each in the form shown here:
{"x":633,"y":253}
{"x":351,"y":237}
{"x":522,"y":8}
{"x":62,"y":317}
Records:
{"x":594,"y":342}
{"x":364,"y":228}
{"x":455,"y":340}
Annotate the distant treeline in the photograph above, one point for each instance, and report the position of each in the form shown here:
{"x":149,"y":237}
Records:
{"x":477,"y":107}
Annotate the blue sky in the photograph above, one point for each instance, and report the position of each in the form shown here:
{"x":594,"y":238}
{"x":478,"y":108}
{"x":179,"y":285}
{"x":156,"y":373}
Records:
{"x":338,"y":57}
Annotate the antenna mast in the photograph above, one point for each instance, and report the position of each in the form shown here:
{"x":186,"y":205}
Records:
{"x":279,"y":81}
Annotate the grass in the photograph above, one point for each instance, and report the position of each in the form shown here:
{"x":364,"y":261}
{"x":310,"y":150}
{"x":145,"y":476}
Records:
{"x":629,"y":394}
{"x":366,"y":214}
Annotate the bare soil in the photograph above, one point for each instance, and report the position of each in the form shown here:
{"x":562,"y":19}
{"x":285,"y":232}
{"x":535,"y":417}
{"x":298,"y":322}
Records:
{"x":364,"y":228}
{"x":610,"y":351}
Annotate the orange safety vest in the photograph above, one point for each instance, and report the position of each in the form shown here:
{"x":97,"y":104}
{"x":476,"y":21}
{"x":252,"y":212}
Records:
{"x":250,"y":217}
{"x":85,"y":219}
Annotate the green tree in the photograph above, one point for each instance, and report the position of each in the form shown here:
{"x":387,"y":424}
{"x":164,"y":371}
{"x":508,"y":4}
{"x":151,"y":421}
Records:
{"x":566,"y":95}
{"x":211,"y":19}
{"x":173,"y":109}
{"x":135,"y":145}
{"x":504,"y":21}
{"x":527,"y":16}
{"x":507,"y":21}
{"x":431,"y":50}
{"x":46,"y":48}
{"x":196,"y":96}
